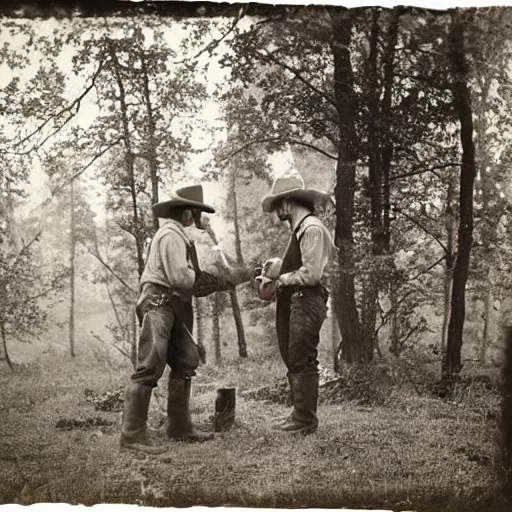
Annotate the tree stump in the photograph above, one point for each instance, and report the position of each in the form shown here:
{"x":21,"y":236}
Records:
{"x":224,"y":409}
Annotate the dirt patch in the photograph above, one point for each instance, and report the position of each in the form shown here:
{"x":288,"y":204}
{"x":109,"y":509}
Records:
{"x":110,"y":401}
{"x":72,"y":423}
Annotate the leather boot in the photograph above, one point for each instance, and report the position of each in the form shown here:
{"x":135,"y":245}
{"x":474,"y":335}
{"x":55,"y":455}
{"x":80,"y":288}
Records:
{"x":179,"y":425}
{"x":289,"y":403}
{"x":303,"y":419}
{"x":134,"y":429}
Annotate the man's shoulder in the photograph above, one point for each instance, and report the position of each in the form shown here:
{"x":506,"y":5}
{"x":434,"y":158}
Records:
{"x":312,"y":221}
{"x":171,"y":230}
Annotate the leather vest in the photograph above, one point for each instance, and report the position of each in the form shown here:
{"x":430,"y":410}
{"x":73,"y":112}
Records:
{"x":292,"y":259}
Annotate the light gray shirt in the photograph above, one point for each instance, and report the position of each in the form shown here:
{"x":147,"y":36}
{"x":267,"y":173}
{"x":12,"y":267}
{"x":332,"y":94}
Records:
{"x":317,"y":249}
{"x":168,"y":262}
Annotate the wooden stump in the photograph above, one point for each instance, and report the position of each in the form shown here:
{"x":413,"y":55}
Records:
{"x":224,"y":409}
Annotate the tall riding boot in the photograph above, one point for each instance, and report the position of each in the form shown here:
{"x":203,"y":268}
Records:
{"x":303,"y":419}
{"x":179,"y":425}
{"x":134,"y":430}
{"x":289,"y":402}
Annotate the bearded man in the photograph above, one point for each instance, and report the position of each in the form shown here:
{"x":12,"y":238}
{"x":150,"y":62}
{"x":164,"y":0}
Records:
{"x":298,"y":285}
{"x":166,"y":316}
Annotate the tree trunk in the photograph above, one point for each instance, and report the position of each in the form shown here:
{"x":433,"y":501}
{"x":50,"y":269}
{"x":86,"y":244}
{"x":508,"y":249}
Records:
{"x":488,"y":300}
{"x":72,"y":250}
{"x":344,"y":191}
{"x":4,"y":344}
{"x":387,"y":147}
{"x":489,"y":227}
{"x":242,"y":345}
{"x":448,"y":274}
{"x":236,"y":221}
{"x":462,"y":103}
{"x":199,"y":321}
{"x":216,"y":328}
{"x":335,"y":338}
{"x":372,"y":280}
{"x":394,"y":346}
{"x":133,"y":344}
{"x":152,"y":155}
{"x":129,"y":162}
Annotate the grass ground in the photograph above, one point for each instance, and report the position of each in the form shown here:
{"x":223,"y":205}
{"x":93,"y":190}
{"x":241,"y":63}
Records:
{"x":409,"y":452}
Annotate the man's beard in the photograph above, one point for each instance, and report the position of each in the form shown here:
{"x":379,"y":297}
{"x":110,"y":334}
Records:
{"x":284,"y":217}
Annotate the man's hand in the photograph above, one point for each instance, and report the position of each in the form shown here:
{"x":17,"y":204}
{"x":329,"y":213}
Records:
{"x":257,"y":271}
{"x":272,"y":268}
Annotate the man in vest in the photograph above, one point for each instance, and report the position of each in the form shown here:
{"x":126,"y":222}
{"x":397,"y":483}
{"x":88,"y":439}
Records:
{"x":300,"y":293}
{"x":165,"y":311}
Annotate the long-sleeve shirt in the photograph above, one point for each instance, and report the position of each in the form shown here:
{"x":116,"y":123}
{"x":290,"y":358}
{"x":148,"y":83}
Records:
{"x":169,"y":263}
{"x":317,"y":249}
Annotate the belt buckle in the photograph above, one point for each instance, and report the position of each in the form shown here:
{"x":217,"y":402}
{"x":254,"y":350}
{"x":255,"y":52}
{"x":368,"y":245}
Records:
{"x":297,"y":292}
{"x":157,"y":300}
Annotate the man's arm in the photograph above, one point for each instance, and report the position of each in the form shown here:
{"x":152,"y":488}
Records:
{"x":177,"y":267}
{"x":313,"y":249}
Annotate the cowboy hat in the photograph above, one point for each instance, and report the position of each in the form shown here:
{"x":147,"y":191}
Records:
{"x":291,"y":185}
{"x":183,"y":197}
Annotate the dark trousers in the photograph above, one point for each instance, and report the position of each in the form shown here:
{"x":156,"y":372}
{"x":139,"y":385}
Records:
{"x":299,"y":318}
{"x":164,"y":340}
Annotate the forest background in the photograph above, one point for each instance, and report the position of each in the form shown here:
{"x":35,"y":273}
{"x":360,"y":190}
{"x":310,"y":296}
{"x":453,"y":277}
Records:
{"x":401,"y":115}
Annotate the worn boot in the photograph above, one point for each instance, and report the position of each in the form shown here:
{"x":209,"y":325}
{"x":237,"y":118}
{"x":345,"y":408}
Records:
{"x":179,"y":425}
{"x":289,"y":403}
{"x":134,"y":429}
{"x":303,"y":419}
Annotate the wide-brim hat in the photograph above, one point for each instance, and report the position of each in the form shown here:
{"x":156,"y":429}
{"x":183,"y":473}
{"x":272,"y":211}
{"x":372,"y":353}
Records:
{"x":187,"y":196}
{"x":290,"y":185}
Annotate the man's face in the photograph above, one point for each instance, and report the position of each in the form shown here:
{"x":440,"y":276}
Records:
{"x":283,"y":210}
{"x":196,"y":215}
{"x":187,"y":219}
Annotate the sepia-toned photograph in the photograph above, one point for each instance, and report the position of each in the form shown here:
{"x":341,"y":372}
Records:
{"x":256,"y":255}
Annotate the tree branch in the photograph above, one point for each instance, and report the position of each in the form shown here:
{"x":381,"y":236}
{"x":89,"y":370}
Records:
{"x":422,"y":227}
{"x":429,"y":268}
{"x":12,"y":266}
{"x":114,"y":307}
{"x":68,"y":108}
{"x":81,"y":171}
{"x":121,"y":350}
{"x":277,"y":139}
{"x":98,"y":256}
{"x":418,"y":170}
{"x":215,"y":43}
{"x":298,"y":75}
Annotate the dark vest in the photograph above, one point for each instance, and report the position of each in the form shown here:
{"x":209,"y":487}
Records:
{"x":292,"y":259}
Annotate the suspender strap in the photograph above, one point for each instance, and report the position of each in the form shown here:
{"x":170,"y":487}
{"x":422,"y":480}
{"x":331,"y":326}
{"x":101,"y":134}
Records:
{"x":296,"y":230}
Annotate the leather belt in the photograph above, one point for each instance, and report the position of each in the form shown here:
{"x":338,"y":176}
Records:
{"x":301,"y":289}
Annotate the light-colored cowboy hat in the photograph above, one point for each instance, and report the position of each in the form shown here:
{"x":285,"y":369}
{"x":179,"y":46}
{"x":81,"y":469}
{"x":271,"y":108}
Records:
{"x":290,"y":185}
{"x":186,"y":196}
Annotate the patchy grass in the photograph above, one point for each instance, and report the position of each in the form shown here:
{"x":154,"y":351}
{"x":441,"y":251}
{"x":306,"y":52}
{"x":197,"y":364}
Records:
{"x":404,"y":452}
